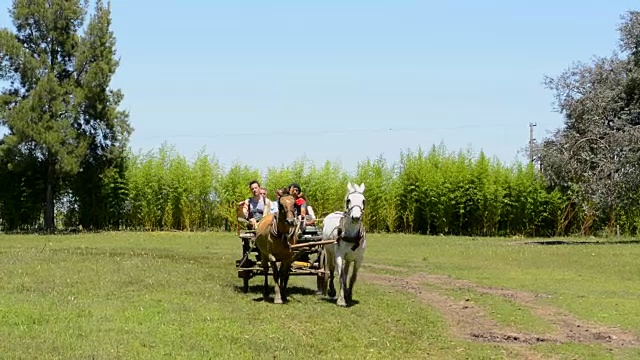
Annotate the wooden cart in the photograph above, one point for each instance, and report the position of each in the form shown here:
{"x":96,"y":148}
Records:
{"x":309,"y":254}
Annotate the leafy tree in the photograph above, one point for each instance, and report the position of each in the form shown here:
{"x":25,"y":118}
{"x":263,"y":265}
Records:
{"x":21,"y":190}
{"x":58,"y":106}
{"x":595,"y":155}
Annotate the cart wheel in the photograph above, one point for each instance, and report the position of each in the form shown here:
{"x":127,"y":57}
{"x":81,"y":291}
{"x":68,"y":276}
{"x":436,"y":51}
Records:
{"x":322,"y":279}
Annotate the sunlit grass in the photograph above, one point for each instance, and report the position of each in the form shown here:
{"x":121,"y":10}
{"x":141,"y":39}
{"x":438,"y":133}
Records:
{"x":176,"y":295}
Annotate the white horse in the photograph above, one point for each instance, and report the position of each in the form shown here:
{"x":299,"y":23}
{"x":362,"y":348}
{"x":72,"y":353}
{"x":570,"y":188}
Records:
{"x":347,"y":228}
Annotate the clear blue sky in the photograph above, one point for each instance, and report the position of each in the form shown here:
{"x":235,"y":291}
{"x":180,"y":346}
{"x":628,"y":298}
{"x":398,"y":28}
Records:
{"x":465,"y":73}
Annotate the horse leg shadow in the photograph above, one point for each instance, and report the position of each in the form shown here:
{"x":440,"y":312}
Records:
{"x":349,"y":303}
{"x":292,"y":291}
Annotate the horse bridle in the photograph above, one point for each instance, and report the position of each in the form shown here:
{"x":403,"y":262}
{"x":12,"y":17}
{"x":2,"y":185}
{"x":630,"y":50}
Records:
{"x":349,"y":208}
{"x":274,"y":231}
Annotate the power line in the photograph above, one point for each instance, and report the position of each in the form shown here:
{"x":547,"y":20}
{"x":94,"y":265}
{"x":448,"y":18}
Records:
{"x":309,"y":131}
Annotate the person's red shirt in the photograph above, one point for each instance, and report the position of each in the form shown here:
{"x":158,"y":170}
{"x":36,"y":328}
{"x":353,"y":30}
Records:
{"x":300,"y":204}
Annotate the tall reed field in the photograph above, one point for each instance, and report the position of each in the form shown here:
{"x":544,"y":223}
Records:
{"x":434,"y":192}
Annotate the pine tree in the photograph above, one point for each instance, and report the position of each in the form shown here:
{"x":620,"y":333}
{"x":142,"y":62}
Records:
{"x":58,"y":106}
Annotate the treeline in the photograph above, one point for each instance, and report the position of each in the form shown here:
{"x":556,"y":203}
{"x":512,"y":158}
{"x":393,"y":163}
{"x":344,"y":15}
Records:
{"x":64,"y":159}
{"x":433,"y":192}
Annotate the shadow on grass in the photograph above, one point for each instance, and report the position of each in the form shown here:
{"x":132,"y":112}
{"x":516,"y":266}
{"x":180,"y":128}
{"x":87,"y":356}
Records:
{"x":560,"y":242}
{"x":291,"y":291}
{"x":353,"y":302}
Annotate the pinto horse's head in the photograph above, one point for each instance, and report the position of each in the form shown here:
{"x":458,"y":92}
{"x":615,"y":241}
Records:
{"x":286,"y":207}
{"x":355,"y":201}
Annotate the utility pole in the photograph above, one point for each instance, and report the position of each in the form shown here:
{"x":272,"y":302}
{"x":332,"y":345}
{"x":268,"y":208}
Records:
{"x":531,"y":139}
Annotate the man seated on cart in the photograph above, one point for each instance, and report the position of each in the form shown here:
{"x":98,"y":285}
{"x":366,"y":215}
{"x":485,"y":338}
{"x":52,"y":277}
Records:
{"x":253,"y":209}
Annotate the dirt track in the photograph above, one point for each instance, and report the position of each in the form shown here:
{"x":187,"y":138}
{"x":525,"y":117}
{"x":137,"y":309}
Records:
{"x":469,"y":321}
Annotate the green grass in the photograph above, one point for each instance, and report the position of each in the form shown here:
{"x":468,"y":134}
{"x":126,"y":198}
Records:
{"x":599,"y":282}
{"x":176,"y":295}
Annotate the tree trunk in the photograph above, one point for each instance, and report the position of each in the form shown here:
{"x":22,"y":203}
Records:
{"x":49,"y":223}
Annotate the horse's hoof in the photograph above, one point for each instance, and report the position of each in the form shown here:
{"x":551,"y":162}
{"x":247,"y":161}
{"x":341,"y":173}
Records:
{"x":277,"y":301}
{"x":341,"y":303}
{"x":332,"y":293}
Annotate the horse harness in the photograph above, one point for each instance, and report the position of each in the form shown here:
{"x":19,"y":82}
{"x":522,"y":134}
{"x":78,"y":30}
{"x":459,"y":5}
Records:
{"x":355,"y":240}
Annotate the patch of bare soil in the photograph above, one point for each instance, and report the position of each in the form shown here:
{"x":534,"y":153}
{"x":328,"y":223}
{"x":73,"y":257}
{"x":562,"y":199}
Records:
{"x":470,"y":322}
{"x":466,"y":320}
{"x":570,"y":329}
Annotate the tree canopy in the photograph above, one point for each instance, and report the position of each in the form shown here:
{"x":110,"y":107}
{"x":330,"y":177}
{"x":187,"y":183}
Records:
{"x":595,"y":155}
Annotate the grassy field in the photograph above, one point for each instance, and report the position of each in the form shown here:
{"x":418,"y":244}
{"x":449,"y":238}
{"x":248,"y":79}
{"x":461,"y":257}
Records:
{"x":175,"y":295}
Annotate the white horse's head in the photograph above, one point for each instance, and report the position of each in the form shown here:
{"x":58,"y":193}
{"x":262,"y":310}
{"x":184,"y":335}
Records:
{"x":355,"y":201}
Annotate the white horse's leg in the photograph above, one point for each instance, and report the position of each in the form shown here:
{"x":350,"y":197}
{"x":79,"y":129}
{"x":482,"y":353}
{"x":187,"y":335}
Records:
{"x":347,"y":281}
{"x":342,"y":277}
{"x":354,"y":275}
{"x":329,"y":232}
